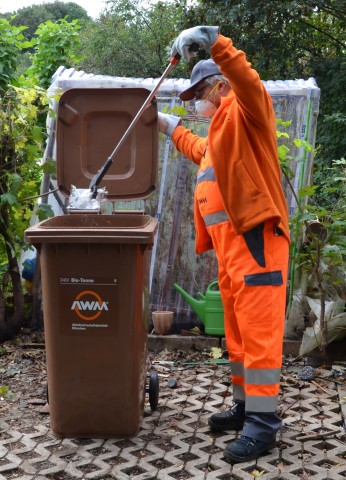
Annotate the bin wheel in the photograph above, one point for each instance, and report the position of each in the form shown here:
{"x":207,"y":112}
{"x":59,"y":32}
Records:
{"x":153,"y":390}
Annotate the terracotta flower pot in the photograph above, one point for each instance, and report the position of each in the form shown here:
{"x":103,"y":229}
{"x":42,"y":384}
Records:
{"x":163,"y":322}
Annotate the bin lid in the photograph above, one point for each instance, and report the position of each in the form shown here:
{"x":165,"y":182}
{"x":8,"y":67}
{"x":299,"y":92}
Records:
{"x":90,"y":124}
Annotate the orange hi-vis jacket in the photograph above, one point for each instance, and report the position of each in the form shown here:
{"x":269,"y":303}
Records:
{"x":243,"y":149}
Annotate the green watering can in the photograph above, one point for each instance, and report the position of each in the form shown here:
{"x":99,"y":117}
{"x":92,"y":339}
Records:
{"x":209,"y":309}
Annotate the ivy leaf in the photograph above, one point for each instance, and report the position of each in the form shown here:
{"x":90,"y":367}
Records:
{"x":307,"y":191}
{"x":44,"y":211}
{"x":216,"y":352}
{"x":280,"y":122}
{"x":257,"y":473}
{"x":27,"y":44}
{"x":4,"y":390}
{"x":49,"y":166}
{"x":283,"y":151}
{"x":178,"y":110}
{"x":281,"y":134}
{"x":36,"y":133}
{"x":8,"y":198}
{"x":302,"y":144}
{"x":306,"y":217}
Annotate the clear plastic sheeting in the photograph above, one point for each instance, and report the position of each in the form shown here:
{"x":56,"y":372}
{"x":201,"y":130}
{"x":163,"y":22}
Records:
{"x":173,"y":257}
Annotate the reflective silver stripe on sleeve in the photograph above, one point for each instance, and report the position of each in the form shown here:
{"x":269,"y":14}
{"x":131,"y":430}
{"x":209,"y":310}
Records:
{"x":206,"y":175}
{"x":262,"y":376}
{"x":261,"y":404}
{"x":214,"y":218}
{"x":238,"y":393}
{"x":237,"y":369}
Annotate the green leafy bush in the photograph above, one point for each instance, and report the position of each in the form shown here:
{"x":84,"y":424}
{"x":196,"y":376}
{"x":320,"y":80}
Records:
{"x":10,"y":46}
{"x":56,"y":44}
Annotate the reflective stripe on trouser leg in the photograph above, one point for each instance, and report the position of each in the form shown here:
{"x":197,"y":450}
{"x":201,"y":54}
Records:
{"x":258,"y":309}
{"x":237,"y":370}
{"x":264,"y":381}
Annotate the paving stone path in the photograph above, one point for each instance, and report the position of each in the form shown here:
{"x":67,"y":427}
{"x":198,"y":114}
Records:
{"x":175,"y":442}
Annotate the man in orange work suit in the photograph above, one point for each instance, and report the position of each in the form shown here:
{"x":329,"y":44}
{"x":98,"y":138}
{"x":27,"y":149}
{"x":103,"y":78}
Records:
{"x":241,"y":213}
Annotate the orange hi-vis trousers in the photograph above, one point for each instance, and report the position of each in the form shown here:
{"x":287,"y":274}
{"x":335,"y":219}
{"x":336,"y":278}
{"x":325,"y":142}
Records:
{"x":252,"y":271}
{"x":252,"y":281}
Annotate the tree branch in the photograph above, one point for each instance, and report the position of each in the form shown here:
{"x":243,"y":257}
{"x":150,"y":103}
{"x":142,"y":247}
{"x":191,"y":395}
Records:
{"x":343,"y":45}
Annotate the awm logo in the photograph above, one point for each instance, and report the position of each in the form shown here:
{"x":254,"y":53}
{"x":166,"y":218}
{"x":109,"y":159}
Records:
{"x":88,"y":305}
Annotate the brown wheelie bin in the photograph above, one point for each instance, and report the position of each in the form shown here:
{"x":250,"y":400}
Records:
{"x":95,"y":269}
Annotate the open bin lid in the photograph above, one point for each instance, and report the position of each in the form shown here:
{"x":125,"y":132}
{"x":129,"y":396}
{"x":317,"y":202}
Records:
{"x":90,"y":124}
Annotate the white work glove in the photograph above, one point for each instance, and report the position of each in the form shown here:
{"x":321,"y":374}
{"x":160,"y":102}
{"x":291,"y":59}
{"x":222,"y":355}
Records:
{"x":203,"y":36}
{"x":167,"y":123}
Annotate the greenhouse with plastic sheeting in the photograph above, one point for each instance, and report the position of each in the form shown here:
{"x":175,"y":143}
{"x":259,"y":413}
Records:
{"x":173,"y":258}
